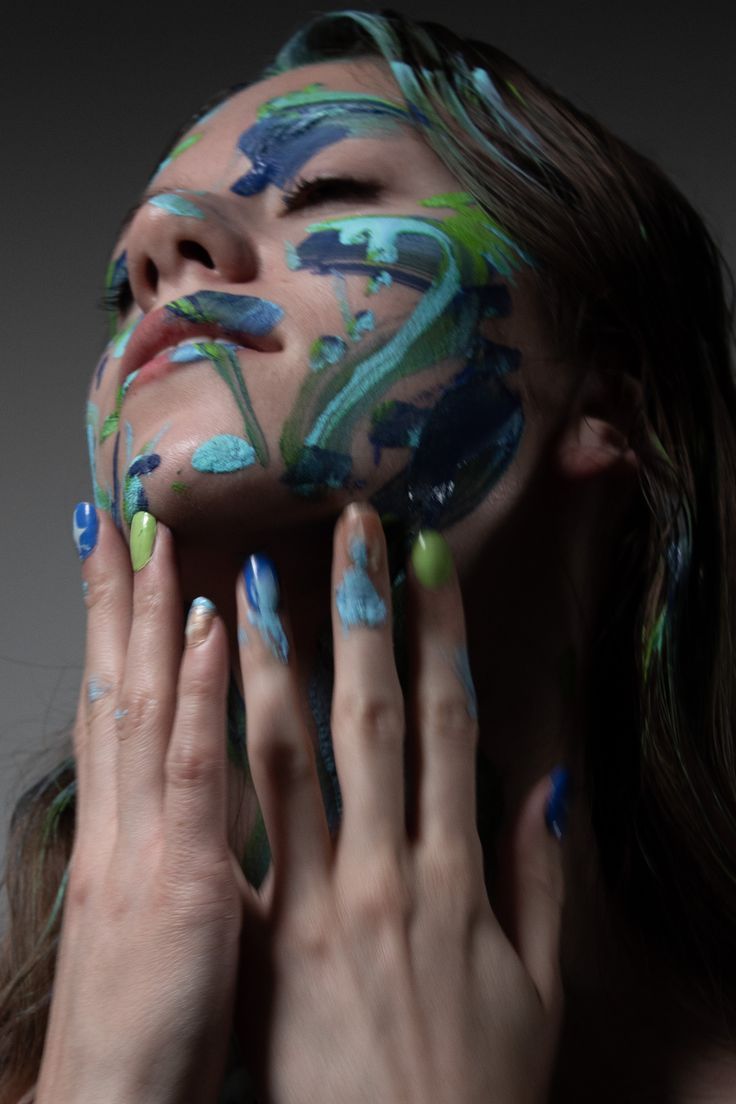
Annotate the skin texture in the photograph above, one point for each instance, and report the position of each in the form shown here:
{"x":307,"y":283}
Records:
{"x":529,"y":542}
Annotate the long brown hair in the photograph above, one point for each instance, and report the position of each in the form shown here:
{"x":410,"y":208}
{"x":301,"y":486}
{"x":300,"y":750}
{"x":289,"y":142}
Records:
{"x":630,"y":273}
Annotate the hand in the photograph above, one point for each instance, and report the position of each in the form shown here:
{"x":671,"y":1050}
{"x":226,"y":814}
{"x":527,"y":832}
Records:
{"x":378,"y":971}
{"x":144,"y":986}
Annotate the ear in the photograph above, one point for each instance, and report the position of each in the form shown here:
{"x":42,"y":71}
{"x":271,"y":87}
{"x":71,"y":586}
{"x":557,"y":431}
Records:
{"x":603,"y":416}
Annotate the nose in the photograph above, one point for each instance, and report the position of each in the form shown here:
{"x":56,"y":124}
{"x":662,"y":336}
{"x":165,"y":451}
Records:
{"x":180,"y":242}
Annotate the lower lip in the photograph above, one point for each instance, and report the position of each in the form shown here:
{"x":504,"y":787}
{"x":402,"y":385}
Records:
{"x":162,"y":365}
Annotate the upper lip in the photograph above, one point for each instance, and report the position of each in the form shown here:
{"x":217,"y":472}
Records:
{"x":161,"y":330}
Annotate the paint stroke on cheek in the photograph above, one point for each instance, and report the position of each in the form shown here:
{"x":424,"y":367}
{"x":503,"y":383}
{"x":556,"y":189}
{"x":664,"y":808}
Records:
{"x":291,"y":129}
{"x":461,"y":444}
{"x":224,"y":453}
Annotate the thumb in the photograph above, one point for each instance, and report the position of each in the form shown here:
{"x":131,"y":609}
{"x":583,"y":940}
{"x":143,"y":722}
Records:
{"x":535,"y":883}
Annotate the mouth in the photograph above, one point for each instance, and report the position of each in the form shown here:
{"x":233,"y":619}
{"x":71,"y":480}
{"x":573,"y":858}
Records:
{"x":167,"y":337}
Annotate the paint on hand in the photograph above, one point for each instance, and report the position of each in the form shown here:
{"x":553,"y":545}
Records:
{"x":357,"y":600}
{"x":177,"y":205}
{"x":96,"y":689}
{"x":262,"y":590}
{"x":461,"y":664}
{"x":224,"y":453}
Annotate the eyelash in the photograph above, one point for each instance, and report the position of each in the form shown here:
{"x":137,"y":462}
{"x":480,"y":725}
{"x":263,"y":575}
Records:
{"x":304,"y":193}
{"x":322,"y":189}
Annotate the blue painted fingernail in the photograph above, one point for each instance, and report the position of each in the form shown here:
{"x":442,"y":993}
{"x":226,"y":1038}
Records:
{"x":555,"y":815}
{"x":85,"y":528}
{"x":264,"y":595}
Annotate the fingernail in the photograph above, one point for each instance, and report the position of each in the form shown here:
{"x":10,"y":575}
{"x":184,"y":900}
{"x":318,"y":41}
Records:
{"x":264,"y":596}
{"x":142,"y":539}
{"x":555,"y":814}
{"x":199,"y":621}
{"x":431,"y":559}
{"x":357,"y":600}
{"x":85,"y":529}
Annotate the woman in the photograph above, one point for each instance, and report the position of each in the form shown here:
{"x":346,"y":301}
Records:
{"x":480,"y":330}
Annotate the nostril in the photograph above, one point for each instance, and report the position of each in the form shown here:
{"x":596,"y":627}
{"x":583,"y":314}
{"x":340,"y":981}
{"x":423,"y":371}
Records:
{"x":151,"y":274}
{"x":193,"y":251}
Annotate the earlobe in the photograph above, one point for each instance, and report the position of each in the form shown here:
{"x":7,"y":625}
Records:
{"x":602,"y":424}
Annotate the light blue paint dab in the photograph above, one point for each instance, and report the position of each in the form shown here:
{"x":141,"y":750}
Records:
{"x":120,"y":341}
{"x":224,"y":453}
{"x":96,"y":689}
{"x":358,"y":602}
{"x":462,"y":670}
{"x":85,"y":588}
{"x":177,"y":205}
{"x":120,"y":714}
{"x":203,"y":604}
{"x":188,"y":354}
{"x":374,"y":285}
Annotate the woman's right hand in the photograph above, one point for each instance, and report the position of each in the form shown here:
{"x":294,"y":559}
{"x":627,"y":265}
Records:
{"x":145,"y":976}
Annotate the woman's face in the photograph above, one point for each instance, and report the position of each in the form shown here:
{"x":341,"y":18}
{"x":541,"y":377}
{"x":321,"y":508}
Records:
{"x":311,"y":310}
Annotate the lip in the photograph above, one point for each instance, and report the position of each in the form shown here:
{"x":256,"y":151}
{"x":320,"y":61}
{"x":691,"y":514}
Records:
{"x":160,"y":331}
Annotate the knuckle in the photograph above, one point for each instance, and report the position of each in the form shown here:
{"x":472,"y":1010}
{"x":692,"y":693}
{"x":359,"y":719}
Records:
{"x":448,"y":719}
{"x":380,"y":896}
{"x":147,"y":600}
{"x":103,"y":594}
{"x":139,"y":708}
{"x":450,"y":875}
{"x":189,"y":769}
{"x":378,"y":720}
{"x":284,"y":760}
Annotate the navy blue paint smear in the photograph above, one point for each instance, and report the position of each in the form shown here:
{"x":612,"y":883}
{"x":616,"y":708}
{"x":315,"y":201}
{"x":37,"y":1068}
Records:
{"x":100,"y":369}
{"x":237,"y":313}
{"x":317,"y":469}
{"x":396,"y":424}
{"x":144,"y":465}
{"x":416,"y":266}
{"x":466,"y":444}
{"x":280,"y":144}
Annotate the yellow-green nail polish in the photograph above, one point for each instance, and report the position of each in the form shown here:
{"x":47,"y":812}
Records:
{"x":431,"y":559}
{"x":142,"y":539}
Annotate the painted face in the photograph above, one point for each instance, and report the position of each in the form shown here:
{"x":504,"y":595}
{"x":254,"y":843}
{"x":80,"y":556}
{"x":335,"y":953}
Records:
{"x":311,"y":309}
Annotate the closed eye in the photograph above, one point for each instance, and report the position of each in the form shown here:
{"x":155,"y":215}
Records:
{"x":325,"y":189}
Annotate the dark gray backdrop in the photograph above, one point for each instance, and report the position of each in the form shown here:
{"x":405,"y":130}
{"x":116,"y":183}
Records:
{"x":92,"y":96}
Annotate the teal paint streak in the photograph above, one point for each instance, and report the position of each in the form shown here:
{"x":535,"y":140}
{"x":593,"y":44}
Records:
{"x":224,"y":453}
{"x":461,"y":664}
{"x":357,"y":600}
{"x":177,"y":205}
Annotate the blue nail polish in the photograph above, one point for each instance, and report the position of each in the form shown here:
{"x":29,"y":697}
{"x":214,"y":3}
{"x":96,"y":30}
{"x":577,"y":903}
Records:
{"x":263,"y":593}
{"x":555,"y":815}
{"x":85,"y":528}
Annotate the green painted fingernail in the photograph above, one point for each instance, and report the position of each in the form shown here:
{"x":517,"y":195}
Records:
{"x":431,"y":559}
{"x":142,"y":539}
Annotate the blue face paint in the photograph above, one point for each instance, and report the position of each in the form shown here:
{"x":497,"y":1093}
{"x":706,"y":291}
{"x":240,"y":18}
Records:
{"x":223,"y":453}
{"x":96,"y":689}
{"x":236,"y":313}
{"x":326,"y":350}
{"x":177,"y":205}
{"x":262,"y":590}
{"x":291,"y":129}
{"x":357,"y":600}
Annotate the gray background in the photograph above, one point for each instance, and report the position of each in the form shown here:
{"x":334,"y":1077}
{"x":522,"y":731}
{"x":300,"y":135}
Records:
{"x":92,"y":97}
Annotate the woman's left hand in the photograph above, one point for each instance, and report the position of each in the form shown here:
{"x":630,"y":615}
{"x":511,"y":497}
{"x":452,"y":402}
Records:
{"x":379,"y":971}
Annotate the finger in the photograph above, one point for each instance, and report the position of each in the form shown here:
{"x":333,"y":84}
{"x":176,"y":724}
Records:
{"x":535,"y":881}
{"x":444,"y":711}
{"x":195,"y":766}
{"x":148,"y":693}
{"x":107,"y":584}
{"x":281,"y":755}
{"x":367,"y":704}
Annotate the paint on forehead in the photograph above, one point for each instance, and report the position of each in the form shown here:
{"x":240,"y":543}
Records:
{"x":455,"y":262}
{"x":292,"y":129}
{"x":178,"y":150}
{"x":177,"y":205}
{"x":237,"y":313}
